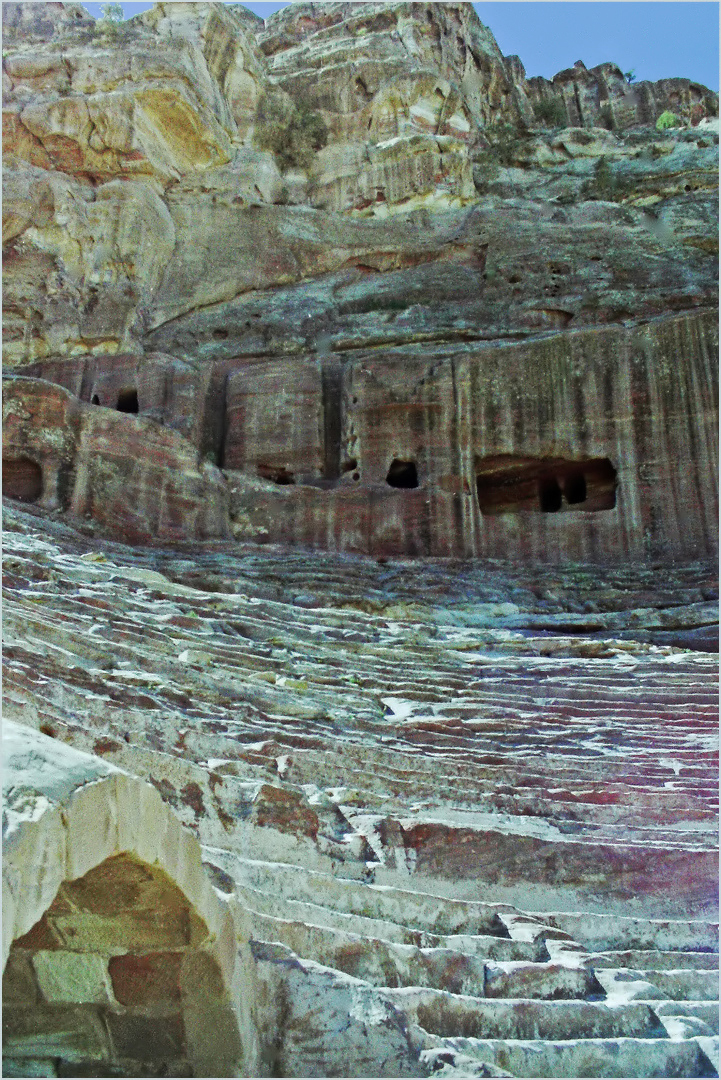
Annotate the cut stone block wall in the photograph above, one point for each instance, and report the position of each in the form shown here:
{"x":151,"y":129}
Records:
{"x":119,"y":953}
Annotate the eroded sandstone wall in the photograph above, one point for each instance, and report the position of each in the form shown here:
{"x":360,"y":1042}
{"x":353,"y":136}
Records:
{"x":588,"y":445}
{"x":517,"y":416}
{"x":438,"y":325}
{"x":134,"y":155}
{"x":130,"y":474}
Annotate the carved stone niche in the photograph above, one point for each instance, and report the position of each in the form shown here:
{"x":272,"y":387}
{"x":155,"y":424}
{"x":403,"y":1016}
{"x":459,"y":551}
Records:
{"x":22,"y":479}
{"x":157,"y":386}
{"x":512,"y":483}
{"x":275,"y":423}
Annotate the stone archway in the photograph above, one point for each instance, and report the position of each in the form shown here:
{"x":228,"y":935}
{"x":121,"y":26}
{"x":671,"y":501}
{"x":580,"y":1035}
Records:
{"x":114,"y":979}
{"x":122,"y":960}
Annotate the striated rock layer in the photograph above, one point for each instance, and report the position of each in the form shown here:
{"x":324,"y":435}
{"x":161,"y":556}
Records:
{"x":360,"y":444}
{"x":466,"y":319}
{"x":589,"y":445}
{"x":467,"y":812}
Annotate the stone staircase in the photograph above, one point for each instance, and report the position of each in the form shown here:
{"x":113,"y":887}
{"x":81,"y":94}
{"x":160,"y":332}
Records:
{"x":483,"y":987}
{"x":473,"y":828}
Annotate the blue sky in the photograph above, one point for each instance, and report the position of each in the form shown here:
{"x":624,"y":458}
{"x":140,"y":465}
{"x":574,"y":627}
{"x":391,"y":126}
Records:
{"x":657,"y":40}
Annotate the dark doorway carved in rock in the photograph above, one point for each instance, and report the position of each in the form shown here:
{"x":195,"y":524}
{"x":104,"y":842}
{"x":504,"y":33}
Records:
{"x":278,"y":474}
{"x":550,"y":496}
{"x":402,"y":474}
{"x":510,"y":483}
{"x":127,"y":401}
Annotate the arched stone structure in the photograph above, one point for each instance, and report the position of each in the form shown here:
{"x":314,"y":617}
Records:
{"x":119,"y":956}
{"x":22,"y":479}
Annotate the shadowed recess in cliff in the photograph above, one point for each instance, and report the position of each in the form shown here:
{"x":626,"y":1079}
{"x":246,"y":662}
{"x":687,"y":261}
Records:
{"x":509,"y":483}
{"x":277,"y":474}
{"x":127,"y":401}
{"x":331,"y":386}
{"x":402,"y":474}
{"x":22,"y":479}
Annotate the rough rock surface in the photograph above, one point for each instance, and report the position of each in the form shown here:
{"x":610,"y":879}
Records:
{"x":348,"y":281}
{"x":468,"y":810}
{"x":122,"y":953}
{"x":464,"y":300}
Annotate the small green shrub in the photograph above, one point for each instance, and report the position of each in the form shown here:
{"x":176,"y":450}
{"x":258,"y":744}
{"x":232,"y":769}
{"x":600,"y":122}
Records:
{"x":293,"y":132}
{"x":551,"y":111}
{"x":630,"y":76}
{"x":604,"y":180}
{"x":112,"y":26}
{"x":505,"y":141}
{"x":667,"y":120}
{"x":605,"y":116}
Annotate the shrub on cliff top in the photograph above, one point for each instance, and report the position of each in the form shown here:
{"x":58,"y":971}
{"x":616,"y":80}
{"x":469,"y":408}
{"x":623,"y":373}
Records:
{"x":293,"y":132}
{"x":112,"y":12}
{"x":112,"y":27}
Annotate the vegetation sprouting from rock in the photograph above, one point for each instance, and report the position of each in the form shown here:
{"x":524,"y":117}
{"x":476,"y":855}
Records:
{"x":606,"y":185}
{"x":293,"y":131}
{"x":504,"y":141}
{"x":605,"y":117}
{"x":551,"y":112}
{"x":667,"y":120}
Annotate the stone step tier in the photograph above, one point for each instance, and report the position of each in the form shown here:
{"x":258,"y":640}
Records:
{"x":483,"y":1003}
{"x":453,"y":834}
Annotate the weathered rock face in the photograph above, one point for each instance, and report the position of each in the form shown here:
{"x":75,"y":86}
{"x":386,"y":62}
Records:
{"x":433,"y":349}
{"x":332,"y":281}
{"x":603,"y":95}
{"x":403,"y":89}
{"x":465,"y":813}
{"x":474,"y":453}
{"x":123,"y":958}
{"x":135,"y":477}
{"x":590,"y":445}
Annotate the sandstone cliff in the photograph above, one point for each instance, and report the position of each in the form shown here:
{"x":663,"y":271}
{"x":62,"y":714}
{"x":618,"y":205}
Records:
{"x":440,"y":800}
{"x":466,"y":319}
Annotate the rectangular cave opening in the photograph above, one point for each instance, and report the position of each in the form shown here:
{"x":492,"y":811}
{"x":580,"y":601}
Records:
{"x":277,"y":474}
{"x":515,"y":483}
{"x":127,"y":401}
